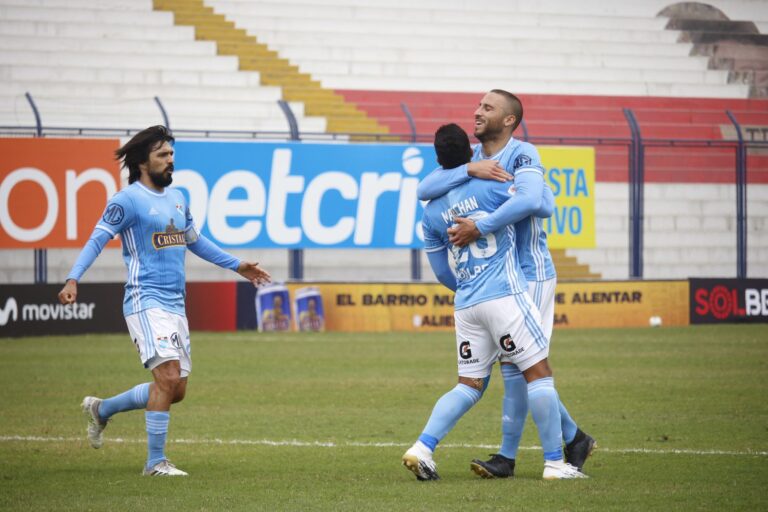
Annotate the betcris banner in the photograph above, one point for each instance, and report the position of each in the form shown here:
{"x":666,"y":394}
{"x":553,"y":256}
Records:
{"x":257,"y":194}
{"x":299,"y":195}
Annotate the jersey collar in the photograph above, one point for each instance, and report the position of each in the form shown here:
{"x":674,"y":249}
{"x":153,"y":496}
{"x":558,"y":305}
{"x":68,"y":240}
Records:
{"x":152,"y":192}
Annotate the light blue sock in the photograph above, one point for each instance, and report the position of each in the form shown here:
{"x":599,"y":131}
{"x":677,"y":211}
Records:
{"x":447,"y":411}
{"x":542,"y":399}
{"x":514,"y":410}
{"x":567,"y":424}
{"x":135,"y":398}
{"x":157,"y":430}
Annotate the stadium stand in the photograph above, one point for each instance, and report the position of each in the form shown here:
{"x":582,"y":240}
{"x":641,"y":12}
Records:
{"x":576,"y":66}
{"x":101,"y":65}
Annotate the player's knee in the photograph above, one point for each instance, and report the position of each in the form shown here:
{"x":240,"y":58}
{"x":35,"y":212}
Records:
{"x":539,"y":370}
{"x":181,"y":391}
{"x":169,"y":382}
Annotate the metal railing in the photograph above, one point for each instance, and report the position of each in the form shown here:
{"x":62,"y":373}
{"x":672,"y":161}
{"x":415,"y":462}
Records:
{"x":636,"y":146}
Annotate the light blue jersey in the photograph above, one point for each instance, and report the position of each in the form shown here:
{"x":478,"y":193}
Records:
{"x":153,"y":227}
{"x":489,"y":267}
{"x":535,"y":260}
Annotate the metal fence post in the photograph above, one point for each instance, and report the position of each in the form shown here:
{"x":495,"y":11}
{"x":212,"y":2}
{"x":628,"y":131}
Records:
{"x":40,"y":255}
{"x":411,"y":122}
{"x":636,"y":185}
{"x":293,"y":125}
{"x":164,"y":113}
{"x":741,"y":200}
{"x":38,"y":121}
{"x":295,"y":256}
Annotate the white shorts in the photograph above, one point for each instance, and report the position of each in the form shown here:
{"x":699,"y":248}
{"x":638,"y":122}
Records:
{"x":543,"y":295}
{"x":506,"y":329}
{"x":161,"y":336}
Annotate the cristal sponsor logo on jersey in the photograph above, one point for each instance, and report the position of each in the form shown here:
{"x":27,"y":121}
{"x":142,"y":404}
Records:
{"x":45,"y":312}
{"x":171,"y":237}
{"x":723,"y":302}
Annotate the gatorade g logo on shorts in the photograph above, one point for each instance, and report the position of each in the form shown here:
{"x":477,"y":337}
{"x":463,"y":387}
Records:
{"x":506,"y":343}
{"x":176,"y":340}
{"x":464,"y":351}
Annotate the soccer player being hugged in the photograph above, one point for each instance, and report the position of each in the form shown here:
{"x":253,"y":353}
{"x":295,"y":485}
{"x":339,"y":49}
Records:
{"x":501,"y":157}
{"x":156,"y":229}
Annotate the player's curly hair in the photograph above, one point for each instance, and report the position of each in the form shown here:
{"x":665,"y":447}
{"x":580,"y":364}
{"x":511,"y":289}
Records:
{"x":136,"y":151}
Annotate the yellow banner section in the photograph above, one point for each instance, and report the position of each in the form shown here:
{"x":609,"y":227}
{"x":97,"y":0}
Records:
{"x":571,"y":174}
{"x":621,"y":304}
{"x":372,"y":307}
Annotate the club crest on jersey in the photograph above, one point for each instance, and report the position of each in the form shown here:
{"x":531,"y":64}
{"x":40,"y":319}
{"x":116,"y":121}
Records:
{"x":171,"y":237}
{"x":522,"y":161}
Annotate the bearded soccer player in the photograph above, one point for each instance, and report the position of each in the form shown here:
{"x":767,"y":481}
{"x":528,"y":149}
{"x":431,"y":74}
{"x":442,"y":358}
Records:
{"x":495,"y":320}
{"x":156,"y":229}
{"x":496,"y":117}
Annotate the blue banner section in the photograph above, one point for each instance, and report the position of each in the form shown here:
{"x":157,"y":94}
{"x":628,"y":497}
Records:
{"x":299,"y":195}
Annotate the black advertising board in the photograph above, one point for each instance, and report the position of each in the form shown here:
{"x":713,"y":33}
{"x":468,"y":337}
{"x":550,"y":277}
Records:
{"x":728,"y":300}
{"x":34,"y":310}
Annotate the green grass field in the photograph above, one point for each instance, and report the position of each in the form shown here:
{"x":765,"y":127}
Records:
{"x":319,"y":422}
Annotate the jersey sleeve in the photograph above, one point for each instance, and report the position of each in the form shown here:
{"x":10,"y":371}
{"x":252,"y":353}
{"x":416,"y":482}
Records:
{"x":527,"y":160}
{"x":433,"y":242}
{"x":90,"y":252}
{"x":118,"y":216}
{"x":439,"y":262}
{"x":209,"y":251}
{"x":547,"y":203}
{"x":520,"y":200}
{"x":440,"y":181}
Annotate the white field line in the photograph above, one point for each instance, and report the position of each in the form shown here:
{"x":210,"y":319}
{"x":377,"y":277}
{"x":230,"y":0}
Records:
{"x":355,"y":444}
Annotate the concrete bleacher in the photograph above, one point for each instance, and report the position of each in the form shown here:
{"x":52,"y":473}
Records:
{"x":100,"y":65}
{"x":554,"y":47}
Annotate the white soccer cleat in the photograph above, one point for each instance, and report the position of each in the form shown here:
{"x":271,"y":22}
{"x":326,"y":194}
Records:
{"x":418,"y":460}
{"x":164,"y":468}
{"x":96,"y":426}
{"x":561,"y":470}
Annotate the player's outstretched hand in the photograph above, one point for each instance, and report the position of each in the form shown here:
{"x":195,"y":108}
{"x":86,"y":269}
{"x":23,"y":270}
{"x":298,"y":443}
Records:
{"x":68,"y":294}
{"x":463,"y":232}
{"x":252,"y":272}
{"x":488,"y":170}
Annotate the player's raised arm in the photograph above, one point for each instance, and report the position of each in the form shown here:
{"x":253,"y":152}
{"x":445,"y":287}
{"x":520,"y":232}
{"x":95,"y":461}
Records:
{"x":525,"y":199}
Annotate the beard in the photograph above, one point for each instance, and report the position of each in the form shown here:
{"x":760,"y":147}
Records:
{"x":490,"y":131}
{"x":163,"y":178}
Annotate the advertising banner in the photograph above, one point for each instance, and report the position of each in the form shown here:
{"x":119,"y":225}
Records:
{"x":571,"y":175}
{"x":728,"y":300}
{"x":621,"y":304}
{"x":34,"y":310}
{"x":262,"y":194}
{"x":52,"y":191}
{"x":429,"y":307}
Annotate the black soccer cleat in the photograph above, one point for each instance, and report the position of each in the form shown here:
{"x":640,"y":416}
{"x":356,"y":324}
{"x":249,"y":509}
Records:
{"x":498,"y":466}
{"x":577,"y":451}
